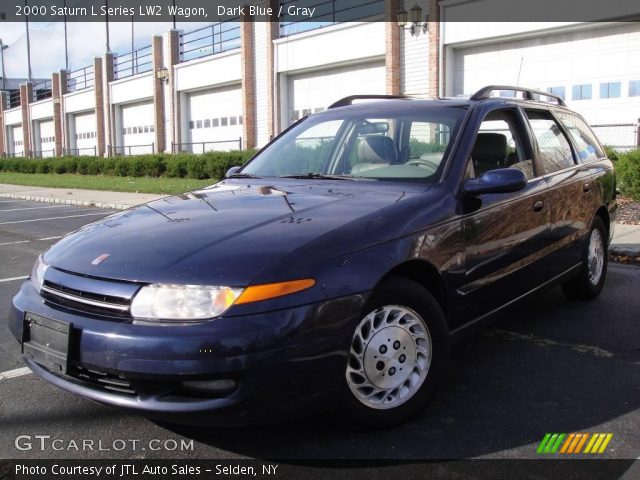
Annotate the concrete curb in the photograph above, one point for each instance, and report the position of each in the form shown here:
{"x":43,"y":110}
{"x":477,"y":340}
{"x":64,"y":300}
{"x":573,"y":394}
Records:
{"x":628,"y":251}
{"x":67,"y":201}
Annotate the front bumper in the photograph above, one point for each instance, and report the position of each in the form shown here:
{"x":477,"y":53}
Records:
{"x":277,"y":359}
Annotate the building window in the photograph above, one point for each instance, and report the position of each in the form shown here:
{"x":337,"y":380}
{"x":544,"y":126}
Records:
{"x":215,"y":122}
{"x":634,"y":88}
{"x":581,"y":92}
{"x":240,"y":120}
{"x":224,"y":121}
{"x":610,"y":90}
{"x":191,"y":124}
{"x":556,"y":91}
{"x":207,"y":123}
{"x":152,"y":128}
{"x":233,"y":120}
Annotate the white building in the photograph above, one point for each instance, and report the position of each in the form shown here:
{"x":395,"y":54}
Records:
{"x":236,"y":84}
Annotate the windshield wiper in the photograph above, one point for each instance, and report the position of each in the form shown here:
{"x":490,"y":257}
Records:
{"x":319,"y":176}
{"x":243,"y":175}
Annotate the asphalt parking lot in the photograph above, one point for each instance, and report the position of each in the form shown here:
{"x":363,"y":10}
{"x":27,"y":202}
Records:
{"x":547,"y":365}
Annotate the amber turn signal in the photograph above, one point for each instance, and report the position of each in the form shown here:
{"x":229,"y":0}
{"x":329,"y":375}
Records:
{"x":256,"y":293}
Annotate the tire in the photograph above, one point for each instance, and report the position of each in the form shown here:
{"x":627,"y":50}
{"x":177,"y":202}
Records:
{"x":589,"y":282}
{"x":398,"y":355}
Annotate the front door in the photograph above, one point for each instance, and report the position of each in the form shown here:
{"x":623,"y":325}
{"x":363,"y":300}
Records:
{"x":506,"y":234}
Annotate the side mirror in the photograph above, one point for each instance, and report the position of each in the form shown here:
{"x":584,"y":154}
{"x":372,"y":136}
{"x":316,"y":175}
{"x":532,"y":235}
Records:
{"x":231,"y":171}
{"x":503,"y":180}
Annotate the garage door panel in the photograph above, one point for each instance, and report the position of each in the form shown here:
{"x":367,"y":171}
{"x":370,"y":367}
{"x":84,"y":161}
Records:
{"x":85,"y":132}
{"x":47,"y":138}
{"x":17,"y":143}
{"x":215,"y":119}
{"x":138,"y":130}
{"x":315,"y":91}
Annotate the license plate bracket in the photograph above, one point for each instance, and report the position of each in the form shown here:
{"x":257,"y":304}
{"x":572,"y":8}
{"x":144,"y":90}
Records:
{"x":46,"y":342}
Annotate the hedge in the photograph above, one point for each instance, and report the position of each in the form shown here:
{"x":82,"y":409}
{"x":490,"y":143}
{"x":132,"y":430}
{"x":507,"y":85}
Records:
{"x":184,"y":165}
{"x":628,"y":173}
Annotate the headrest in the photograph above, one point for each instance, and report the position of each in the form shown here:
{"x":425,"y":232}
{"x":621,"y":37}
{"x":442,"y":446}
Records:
{"x":377,"y":149}
{"x":490,"y":151}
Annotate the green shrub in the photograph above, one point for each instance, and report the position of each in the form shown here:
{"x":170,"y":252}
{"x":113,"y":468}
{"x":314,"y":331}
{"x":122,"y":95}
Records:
{"x":628,"y":173}
{"x":207,"y":165}
{"x":611,"y":152}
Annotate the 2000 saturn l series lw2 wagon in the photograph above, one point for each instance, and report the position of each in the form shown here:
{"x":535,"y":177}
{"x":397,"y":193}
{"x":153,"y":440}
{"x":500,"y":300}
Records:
{"x":334,"y":268}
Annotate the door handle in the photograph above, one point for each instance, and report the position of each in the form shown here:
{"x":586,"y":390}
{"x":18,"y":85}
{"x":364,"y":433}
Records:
{"x":586,"y":187}
{"x":538,"y":206}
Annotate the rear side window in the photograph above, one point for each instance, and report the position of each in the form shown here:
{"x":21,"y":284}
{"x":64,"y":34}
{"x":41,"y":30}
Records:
{"x":584,"y":139}
{"x":555,"y":150}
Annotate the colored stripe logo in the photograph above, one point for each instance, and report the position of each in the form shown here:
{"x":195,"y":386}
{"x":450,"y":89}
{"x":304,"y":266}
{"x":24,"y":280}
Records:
{"x":571,"y":443}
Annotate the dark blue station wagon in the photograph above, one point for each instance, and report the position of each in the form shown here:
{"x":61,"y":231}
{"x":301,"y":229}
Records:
{"x":333,"y":269}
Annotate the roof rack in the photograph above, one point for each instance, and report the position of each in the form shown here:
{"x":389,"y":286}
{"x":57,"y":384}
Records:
{"x":349,"y":100}
{"x":485,"y":92}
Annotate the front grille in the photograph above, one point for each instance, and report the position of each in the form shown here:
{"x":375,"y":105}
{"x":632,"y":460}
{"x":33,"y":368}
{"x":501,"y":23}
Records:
{"x":88,"y":302}
{"x":102,"y":380}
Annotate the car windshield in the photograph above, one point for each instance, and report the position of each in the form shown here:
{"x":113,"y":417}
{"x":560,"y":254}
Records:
{"x":380,"y":144}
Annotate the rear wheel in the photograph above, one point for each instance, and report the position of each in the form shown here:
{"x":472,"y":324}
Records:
{"x":589,"y":282}
{"x":398,"y":354}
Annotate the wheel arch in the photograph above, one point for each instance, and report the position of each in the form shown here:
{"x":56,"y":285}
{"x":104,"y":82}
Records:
{"x":425,"y":274}
{"x":603,"y":213}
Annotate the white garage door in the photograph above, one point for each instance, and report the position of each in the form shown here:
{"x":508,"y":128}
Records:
{"x":558,"y":63}
{"x":314,"y":91}
{"x":137,"y":129}
{"x":15,"y":136}
{"x":85,"y":133}
{"x":47,"y":138}
{"x":215,"y":119}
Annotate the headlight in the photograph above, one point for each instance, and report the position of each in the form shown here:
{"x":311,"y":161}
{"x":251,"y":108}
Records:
{"x":37,"y":273}
{"x":182,"y":302}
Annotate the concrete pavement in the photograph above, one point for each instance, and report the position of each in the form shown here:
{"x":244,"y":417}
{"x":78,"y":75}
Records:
{"x":78,"y":197}
{"x":626,"y":240}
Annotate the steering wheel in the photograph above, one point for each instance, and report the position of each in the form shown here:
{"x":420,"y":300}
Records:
{"x":422,"y":163}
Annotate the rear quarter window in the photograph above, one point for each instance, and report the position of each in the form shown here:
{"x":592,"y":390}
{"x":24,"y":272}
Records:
{"x":587,"y":145}
{"x":554,"y":148}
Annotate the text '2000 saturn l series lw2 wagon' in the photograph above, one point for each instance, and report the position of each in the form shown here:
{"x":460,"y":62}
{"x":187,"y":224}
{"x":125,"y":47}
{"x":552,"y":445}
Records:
{"x":333,"y":269}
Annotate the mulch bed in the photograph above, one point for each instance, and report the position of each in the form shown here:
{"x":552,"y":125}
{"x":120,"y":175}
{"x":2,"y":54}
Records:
{"x":628,"y":214}
{"x":628,"y":211}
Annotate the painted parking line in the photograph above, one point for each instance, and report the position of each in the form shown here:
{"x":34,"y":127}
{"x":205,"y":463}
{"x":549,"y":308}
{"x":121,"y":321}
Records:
{"x":18,"y":372}
{"x":52,"y":218}
{"x":13,"y":279}
{"x":34,"y":208}
{"x":14,"y":243}
{"x":29,"y":241}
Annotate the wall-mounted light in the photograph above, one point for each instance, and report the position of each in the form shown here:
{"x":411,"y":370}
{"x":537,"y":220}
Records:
{"x":163,"y":74}
{"x":417,"y":24}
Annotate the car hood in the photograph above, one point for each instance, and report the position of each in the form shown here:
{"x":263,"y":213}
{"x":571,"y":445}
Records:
{"x":228,"y":233}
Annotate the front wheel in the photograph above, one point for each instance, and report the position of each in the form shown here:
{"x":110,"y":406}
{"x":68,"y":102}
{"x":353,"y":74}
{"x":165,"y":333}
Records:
{"x":398,"y":354}
{"x":589,"y":282}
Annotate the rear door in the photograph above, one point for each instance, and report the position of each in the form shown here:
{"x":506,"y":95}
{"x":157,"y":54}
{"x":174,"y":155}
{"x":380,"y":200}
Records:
{"x":505,"y":234}
{"x":570,"y":195}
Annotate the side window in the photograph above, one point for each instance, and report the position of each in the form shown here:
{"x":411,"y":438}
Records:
{"x":584,"y":139}
{"x":555,"y":150}
{"x":498,"y":145}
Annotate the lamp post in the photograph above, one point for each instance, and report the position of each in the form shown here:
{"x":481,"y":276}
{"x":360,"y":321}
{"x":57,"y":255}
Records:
{"x":3,"y":47}
{"x":66,"y":44}
{"x":26,"y":23}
